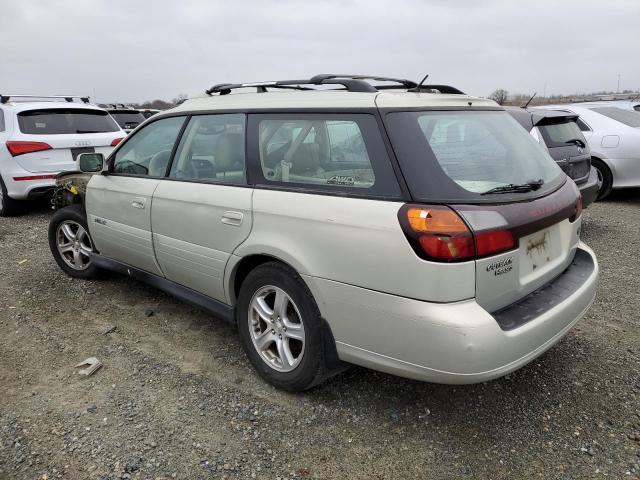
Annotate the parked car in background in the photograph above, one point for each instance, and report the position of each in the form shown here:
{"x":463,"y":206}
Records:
{"x":128,"y":118}
{"x":613,"y":135}
{"x":559,"y":133}
{"x":149,"y":112}
{"x":413,"y":229}
{"x":622,"y":104}
{"x":41,"y":137}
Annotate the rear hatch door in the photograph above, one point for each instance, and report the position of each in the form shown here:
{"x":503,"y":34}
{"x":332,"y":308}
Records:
{"x":127,"y":119}
{"x":515,"y":200}
{"x":546,"y":233}
{"x":68,"y":132}
{"x":567,"y":145}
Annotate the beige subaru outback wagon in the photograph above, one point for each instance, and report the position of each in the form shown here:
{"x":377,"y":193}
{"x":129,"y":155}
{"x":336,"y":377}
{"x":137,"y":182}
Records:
{"x":340,"y":219}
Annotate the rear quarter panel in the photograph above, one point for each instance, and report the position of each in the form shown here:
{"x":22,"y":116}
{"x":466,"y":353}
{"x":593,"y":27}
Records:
{"x":353,"y":241}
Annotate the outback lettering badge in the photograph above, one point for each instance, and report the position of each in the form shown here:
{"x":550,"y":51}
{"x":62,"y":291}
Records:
{"x":501,"y":266}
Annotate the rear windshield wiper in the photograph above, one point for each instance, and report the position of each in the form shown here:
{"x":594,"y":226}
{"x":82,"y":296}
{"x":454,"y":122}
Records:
{"x":87,"y":131}
{"x":576,"y":141}
{"x":516,"y":187}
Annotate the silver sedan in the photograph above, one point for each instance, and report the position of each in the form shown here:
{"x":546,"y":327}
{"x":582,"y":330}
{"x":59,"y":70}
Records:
{"x":613,"y":134}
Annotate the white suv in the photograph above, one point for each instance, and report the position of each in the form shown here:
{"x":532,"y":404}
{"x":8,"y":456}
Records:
{"x":407,"y":228}
{"x":39,"y":139}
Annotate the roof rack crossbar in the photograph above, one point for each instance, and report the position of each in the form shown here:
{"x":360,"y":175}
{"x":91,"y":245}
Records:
{"x":5,"y":97}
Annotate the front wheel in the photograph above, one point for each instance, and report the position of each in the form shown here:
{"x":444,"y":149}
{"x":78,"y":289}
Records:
{"x":71,"y":243}
{"x":281,"y":329}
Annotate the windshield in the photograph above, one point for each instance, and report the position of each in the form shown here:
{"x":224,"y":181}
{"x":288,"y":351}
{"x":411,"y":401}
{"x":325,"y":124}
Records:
{"x":561,"y":134}
{"x":632,"y":119}
{"x":59,"y":121}
{"x":128,"y":119}
{"x":459,"y":155}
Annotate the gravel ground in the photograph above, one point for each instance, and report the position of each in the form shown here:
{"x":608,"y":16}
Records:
{"x":176,"y":397}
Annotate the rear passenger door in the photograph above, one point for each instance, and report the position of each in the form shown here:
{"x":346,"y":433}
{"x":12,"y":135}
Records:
{"x":119,"y":204}
{"x":202,"y":211}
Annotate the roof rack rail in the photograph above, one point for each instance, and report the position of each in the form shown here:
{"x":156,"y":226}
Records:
{"x":4,"y":97}
{"x":352,"y":83}
{"x":318,"y":79}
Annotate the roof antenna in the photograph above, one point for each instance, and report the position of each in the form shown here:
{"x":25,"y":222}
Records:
{"x":529,"y":101}
{"x":417,"y":87}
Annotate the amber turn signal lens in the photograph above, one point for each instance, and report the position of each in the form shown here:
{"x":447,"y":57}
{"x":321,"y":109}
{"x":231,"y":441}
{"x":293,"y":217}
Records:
{"x":435,"y":220}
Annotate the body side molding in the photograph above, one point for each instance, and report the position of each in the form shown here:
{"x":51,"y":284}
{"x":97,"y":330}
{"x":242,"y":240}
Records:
{"x":215,"y":307}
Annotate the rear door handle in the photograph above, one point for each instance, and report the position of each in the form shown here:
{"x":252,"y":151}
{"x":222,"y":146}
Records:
{"x":232,"y":218}
{"x":139,"y":202}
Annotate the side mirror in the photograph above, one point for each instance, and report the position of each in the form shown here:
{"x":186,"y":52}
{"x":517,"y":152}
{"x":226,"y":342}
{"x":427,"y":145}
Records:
{"x":90,"y":162}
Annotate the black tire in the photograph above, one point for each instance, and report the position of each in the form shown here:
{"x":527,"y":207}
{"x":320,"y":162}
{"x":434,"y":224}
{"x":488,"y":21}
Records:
{"x":74,"y":214}
{"x":8,"y":206}
{"x":312,"y":367}
{"x":604,"y":174}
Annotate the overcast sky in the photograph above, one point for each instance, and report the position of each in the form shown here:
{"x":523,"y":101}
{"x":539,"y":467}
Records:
{"x":138,"y":50}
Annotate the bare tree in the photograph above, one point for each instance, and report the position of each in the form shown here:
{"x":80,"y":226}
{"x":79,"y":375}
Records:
{"x":499,"y":96}
{"x":156,"y":104}
{"x":163,"y":104}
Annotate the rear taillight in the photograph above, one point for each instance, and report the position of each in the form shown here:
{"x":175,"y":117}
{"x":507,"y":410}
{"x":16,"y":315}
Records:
{"x":578,"y":211}
{"x":496,"y":241}
{"x":438,"y":233}
{"x":116,"y":141}
{"x":20,"y":148}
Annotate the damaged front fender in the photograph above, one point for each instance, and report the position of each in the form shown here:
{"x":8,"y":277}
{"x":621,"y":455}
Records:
{"x":70,"y":189}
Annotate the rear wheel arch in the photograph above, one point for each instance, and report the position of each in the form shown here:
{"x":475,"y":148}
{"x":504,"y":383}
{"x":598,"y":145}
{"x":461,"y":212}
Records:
{"x":253,"y":261}
{"x":8,"y":206}
{"x":605,"y":175}
{"x":249,"y":263}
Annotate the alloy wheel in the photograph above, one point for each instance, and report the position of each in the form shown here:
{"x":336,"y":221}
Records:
{"x":74,"y":245}
{"x":277,"y":328}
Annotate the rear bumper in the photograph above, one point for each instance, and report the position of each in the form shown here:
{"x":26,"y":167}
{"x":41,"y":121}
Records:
{"x":589,"y":189}
{"x":24,"y":185}
{"x":446,"y":343}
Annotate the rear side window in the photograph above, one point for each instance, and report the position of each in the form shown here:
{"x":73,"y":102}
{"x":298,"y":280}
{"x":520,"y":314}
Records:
{"x":212,"y":150}
{"x":325,"y":152}
{"x":560,"y":134}
{"x":60,"y":121}
{"x":148,"y":150}
{"x":1,"y":121}
{"x":583,"y":126}
{"x":629,"y":118}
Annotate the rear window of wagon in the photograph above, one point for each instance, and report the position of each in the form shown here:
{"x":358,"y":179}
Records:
{"x":456,"y":156}
{"x":60,"y":121}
